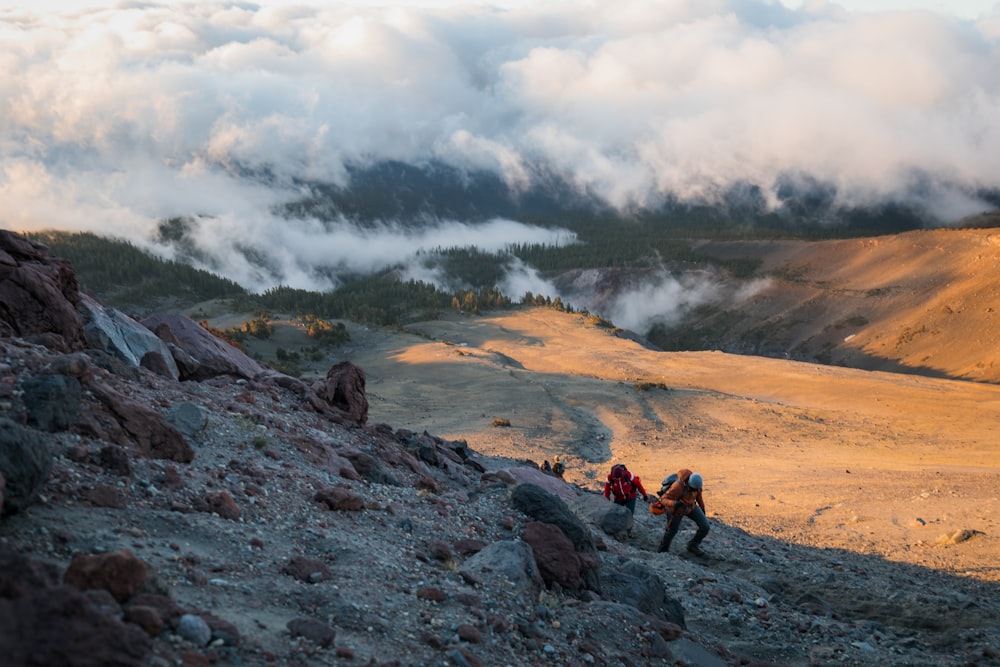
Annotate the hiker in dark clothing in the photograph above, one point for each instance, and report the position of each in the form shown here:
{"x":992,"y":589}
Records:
{"x":683,"y":499}
{"x":624,"y":486}
{"x":558,"y":468}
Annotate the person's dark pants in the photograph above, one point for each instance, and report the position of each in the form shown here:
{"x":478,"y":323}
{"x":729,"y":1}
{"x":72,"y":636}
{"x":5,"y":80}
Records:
{"x":630,"y":503}
{"x":674,"y":525}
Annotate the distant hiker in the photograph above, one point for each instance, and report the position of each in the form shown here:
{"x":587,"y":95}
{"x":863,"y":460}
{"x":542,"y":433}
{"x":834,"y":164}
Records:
{"x":558,"y":468}
{"x":546,"y":467}
{"x":683,"y":499}
{"x":624,"y":486}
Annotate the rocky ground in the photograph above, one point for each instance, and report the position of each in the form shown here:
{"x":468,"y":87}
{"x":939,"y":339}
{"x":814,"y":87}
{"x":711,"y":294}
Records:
{"x":248,"y":518}
{"x":302,"y":541}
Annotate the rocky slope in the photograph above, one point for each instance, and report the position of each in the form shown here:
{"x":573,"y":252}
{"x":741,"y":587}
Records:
{"x":248,"y":518}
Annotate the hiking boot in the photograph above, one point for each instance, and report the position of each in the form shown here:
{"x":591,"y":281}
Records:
{"x":695,"y":549}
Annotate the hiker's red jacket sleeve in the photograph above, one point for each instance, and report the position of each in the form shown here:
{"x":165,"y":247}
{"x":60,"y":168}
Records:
{"x":607,"y":489}
{"x":637,"y":483}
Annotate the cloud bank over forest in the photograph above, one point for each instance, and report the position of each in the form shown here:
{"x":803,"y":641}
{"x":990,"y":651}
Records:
{"x":112,"y":119}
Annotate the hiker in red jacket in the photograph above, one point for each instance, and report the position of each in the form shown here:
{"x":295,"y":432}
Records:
{"x":624,"y":486}
{"x":683,"y":499}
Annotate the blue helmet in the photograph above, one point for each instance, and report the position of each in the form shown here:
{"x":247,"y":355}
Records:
{"x":694,"y":481}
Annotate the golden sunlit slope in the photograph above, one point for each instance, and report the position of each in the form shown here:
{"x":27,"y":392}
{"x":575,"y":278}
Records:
{"x":924,"y":301}
{"x":869,"y":461}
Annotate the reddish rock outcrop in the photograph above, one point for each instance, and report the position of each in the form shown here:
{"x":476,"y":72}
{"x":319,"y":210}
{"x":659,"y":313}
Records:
{"x":555,"y":554}
{"x":39,"y":294}
{"x":344,"y":389}
{"x":337,"y":498}
{"x":118,"y":572}
{"x":45,"y":623}
{"x":213,"y":356}
{"x":156,"y":437}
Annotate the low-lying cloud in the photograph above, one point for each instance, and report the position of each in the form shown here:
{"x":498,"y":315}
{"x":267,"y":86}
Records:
{"x":112,"y":119}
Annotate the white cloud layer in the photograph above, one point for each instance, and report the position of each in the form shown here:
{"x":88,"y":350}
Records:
{"x":113,"y":118}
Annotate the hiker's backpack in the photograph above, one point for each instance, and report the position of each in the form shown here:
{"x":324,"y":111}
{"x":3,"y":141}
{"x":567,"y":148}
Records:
{"x":668,"y":481}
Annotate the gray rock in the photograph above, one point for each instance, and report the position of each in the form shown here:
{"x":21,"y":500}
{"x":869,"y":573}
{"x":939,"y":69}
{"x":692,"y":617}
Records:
{"x":509,"y":564}
{"x":687,"y":652}
{"x":189,"y":418}
{"x":52,"y":401}
{"x":616,"y":520}
{"x":25,"y":463}
{"x":119,"y":335}
{"x":194,"y":629}
{"x":634,"y":583}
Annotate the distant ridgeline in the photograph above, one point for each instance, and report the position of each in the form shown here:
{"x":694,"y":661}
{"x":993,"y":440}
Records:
{"x":130,"y":279}
{"x":134,"y":281}
{"x":408,"y":193}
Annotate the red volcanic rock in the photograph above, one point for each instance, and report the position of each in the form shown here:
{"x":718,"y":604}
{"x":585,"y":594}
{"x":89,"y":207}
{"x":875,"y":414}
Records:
{"x":167,"y":609}
{"x":59,"y":626}
{"x":147,"y":618}
{"x":39,"y":294}
{"x":103,"y":495}
{"x":555,"y":554}
{"x":220,"y":503}
{"x":338,"y":498}
{"x":344,"y":389}
{"x":118,"y":572}
{"x":312,"y":629}
{"x":309,"y":570}
{"x":20,"y":576}
{"x":157,"y":438}
{"x":213,"y":355}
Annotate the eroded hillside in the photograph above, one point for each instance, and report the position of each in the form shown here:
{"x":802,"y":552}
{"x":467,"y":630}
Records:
{"x":922,"y":302}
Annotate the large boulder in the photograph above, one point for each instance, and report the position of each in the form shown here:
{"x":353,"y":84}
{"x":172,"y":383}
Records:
{"x":156,"y":437}
{"x":213,"y":356}
{"x":344,"y":390}
{"x":25,"y":463}
{"x":38,"y":294}
{"x":557,"y":559}
{"x":507,"y":565}
{"x":44,"y":623}
{"x":124,"y":338}
{"x":636,"y":584}
{"x":52,"y":401}
{"x":117,"y":572}
{"x":522,"y":474}
{"x":543,"y":506}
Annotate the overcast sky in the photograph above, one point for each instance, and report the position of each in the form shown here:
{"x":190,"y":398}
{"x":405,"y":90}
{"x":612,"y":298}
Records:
{"x":113,"y":118}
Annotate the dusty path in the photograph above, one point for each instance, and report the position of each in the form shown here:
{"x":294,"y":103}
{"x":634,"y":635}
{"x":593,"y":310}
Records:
{"x":877,"y":463}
